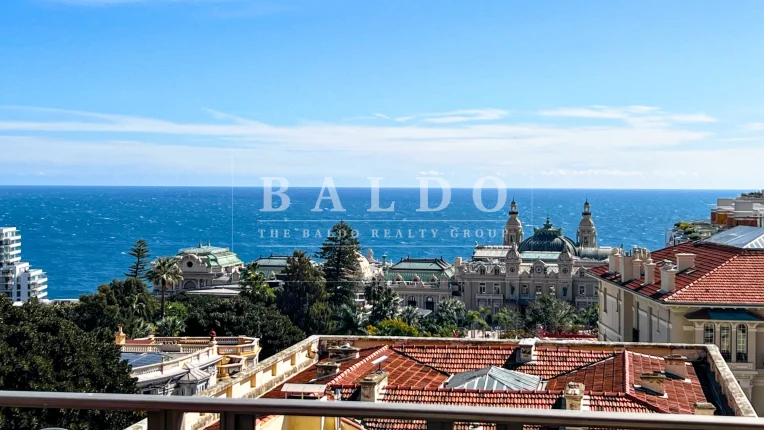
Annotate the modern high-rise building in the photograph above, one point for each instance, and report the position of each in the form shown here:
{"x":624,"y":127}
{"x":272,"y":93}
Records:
{"x":18,"y":281}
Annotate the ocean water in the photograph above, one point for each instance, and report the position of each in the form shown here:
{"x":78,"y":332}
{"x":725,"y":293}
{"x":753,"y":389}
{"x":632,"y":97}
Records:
{"x":81,"y":235}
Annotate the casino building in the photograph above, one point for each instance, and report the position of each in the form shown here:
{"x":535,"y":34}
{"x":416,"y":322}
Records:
{"x":520,"y":270}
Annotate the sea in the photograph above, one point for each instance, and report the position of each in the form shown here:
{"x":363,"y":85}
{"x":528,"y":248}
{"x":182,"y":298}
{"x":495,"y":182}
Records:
{"x":81,"y":236}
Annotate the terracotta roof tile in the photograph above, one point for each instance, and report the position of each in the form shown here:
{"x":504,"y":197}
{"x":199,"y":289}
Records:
{"x":722,"y":274}
{"x":457,"y":359}
{"x":552,"y":361}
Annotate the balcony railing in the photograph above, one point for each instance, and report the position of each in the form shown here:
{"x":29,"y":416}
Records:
{"x":166,"y":413}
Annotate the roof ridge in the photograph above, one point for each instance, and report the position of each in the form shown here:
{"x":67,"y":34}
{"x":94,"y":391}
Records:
{"x":646,"y":404}
{"x":711,"y":272}
{"x":471,"y":390}
{"x":421,"y":362}
{"x":576,"y":369}
{"x":365,"y":360}
{"x":628,"y":379}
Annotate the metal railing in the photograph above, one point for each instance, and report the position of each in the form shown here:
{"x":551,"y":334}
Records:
{"x":166,"y":413}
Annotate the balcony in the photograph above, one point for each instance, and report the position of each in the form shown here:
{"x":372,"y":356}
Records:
{"x":166,"y":413}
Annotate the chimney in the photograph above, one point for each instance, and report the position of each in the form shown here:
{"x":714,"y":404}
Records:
{"x":574,"y":396}
{"x":636,"y":268}
{"x":704,"y":408}
{"x":668,"y":278}
{"x":626,"y":269}
{"x":372,"y":386}
{"x":684,"y":261}
{"x":458,"y":262}
{"x":654,"y":382}
{"x":615,"y":260}
{"x":676,"y":366}
{"x":526,"y":348}
{"x":344,"y":352}
{"x":327,"y":369}
{"x":649,"y":271}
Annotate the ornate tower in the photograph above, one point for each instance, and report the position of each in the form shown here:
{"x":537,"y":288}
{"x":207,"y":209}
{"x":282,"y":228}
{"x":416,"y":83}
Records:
{"x":587,"y":233}
{"x":513,"y":230}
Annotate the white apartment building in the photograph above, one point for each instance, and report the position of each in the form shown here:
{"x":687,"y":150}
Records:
{"x":704,"y":292}
{"x":18,"y":281}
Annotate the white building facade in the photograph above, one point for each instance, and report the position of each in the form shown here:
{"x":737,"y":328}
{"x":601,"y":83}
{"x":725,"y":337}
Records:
{"x":18,"y":281}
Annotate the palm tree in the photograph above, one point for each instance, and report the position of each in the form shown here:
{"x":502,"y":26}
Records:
{"x":170,"y":326}
{"x":254,"y":286}
{"x":451,"y":310}
{"x":352,"y":321}
{"x":410,"y":315}
{"x":139,"y":328}
{"x":386,"y":307}
{"x":164,"y":271}
{"x":507,"y":319}
{"x":475,"y":318}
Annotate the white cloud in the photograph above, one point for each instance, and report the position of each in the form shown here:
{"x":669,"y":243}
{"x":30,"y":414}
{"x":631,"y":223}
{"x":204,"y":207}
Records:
{"x":615,"y":155}
{"x":755,"y":126}
{"x":463,"y":115}
{"x":637,"y":116}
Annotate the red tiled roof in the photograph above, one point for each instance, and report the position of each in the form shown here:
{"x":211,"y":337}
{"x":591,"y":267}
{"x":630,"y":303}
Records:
{"x":457,"y":359}
{"x":467,"y":397}
{"x":309,"y":374}
{"x":722,"y":274}
{"x":617,"y":376}
{"x":552,"y":361}
{"x":403,"y":371}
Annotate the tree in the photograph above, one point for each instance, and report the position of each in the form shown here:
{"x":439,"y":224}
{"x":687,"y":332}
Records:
{"x":239,"y":316}
{"x":410,"y":315}
{"x":451,"y":310}
{"x":140,"y":251}
{"x":374,"y":289}
{"x":340,"y":252}
{"x":321,"y":319}
{"x":170,"y":326}
{"x":304,"y":286}
{"x":127,"y":302}
{"x":549,"y":312}
{"x":476,"y":319}
{"x":254,"y":285}
{"x":590,"y":316}
{"x":393,"y":328}
{"x":386,"y":308}
{"x":507,"y":319}
{"x":352,"y":321}
{"x":164,"y":272}
{"x":40,"y":351}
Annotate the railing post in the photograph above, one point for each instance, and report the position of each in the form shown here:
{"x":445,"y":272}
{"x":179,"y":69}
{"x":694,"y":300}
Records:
{"x":165,"y":420}
{"x":439,"y":425}
{"x":237,"y":421}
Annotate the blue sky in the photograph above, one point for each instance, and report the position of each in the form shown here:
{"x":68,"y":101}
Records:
{"x":627,"y":94}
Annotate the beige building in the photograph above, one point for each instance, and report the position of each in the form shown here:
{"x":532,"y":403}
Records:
{"x":705,"y":292}
{"x":207,"y":270}
{"x":517,"y":272}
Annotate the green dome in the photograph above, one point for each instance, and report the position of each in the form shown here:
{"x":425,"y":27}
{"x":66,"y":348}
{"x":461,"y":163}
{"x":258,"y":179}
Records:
{"x":548,"y":239}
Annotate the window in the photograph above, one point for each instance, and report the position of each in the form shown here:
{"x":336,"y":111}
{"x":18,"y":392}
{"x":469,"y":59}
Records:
{"x":552,"y":290}
{"x":709,"y":335}
{"x":525,"y":290}
{"x":481,"y":270}
{"x":582,"y":290}
{"x":742,"y":344}
{"x":596,"y":291}
{"x":482,"y":288}
{"x":497,"y":270}
{"x":497,"y":288}
{"x":429,"y":304}
{"x":512,"y":293}
{"x":539,"y":290}
{"x":725,"y":341}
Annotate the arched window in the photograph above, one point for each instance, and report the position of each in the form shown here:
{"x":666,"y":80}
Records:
{"x":481,"y":270}
{"x":497,"y":270}
{"x":412,"y":301}
{"x":429,"y":304}
{"x":742,"y":344}
{"x":725,"y":341}
{"x":709,"y":334}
